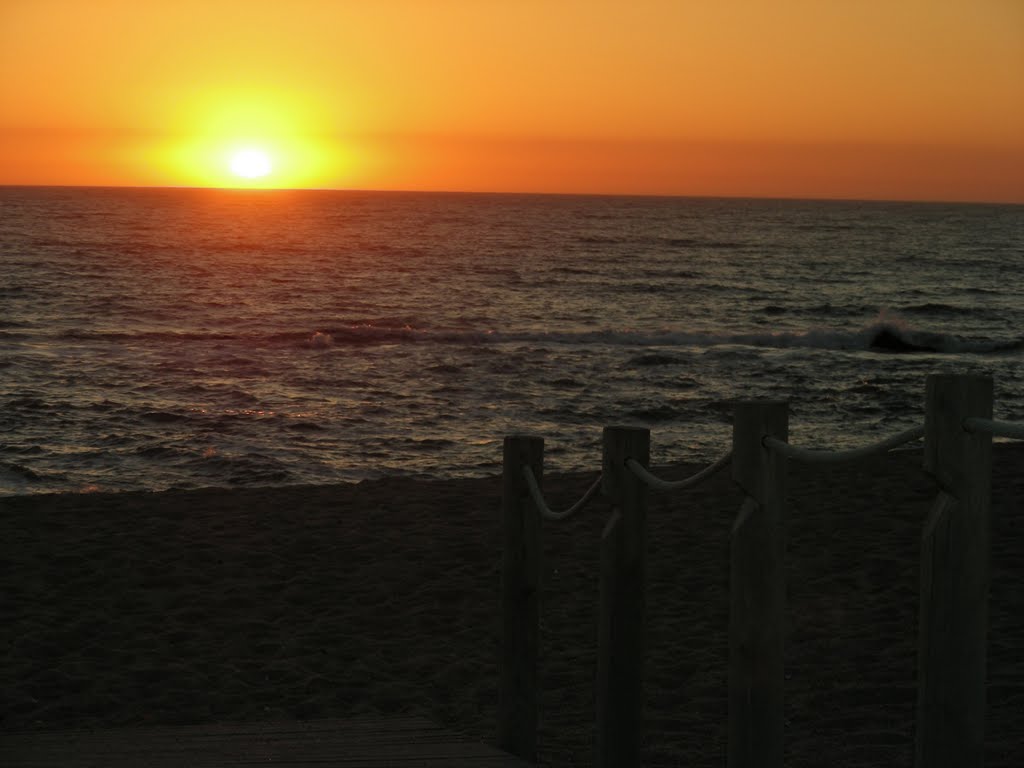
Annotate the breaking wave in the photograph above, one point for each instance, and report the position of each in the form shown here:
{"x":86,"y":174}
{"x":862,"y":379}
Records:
{"x":883,"y":335}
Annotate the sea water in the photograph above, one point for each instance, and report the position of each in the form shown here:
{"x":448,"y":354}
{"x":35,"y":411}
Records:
{"x":159,"y":338}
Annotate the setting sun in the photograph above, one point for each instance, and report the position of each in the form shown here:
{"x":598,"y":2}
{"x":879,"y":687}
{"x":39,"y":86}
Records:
{"x":842,"y":99}
{"x":251,"y":163}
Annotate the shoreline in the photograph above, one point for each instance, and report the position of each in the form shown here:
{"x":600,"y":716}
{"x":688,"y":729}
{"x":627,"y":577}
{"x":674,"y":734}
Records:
{"x":382,"y":597}
{"x":682,"y":468}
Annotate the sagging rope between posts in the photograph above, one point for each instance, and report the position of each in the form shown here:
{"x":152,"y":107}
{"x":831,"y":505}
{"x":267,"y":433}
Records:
{"x":815,"y":456}
{"x":657,"y":483}
{"x":995,"y":428}
{"x":637,"y":468}
{"x":545,"y":511}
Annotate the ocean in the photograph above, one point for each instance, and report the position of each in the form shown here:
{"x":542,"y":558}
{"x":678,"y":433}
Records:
{"x":182,"y":338}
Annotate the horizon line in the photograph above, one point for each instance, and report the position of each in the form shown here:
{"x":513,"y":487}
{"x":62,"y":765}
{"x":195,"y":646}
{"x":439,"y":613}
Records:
{"x":519,"y":193}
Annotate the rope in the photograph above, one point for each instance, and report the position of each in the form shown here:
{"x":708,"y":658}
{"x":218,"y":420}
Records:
{"x":836,"y":457}
{"x":995,"y":428}
{"x":657,"y":483}
{"x":546,"y":512}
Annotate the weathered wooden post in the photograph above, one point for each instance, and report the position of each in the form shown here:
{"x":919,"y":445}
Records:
{"x":623,"y":575}
{"x":520,"y":585}
{"x":757,"y":612}
{"x":953,"y":636}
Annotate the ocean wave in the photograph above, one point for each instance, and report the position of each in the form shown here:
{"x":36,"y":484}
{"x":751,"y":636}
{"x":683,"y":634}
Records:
{"x":982,"y":291}
{"x":163,"y":417}
{"x":833,"y":310}
{"x":878,"y":336}
{"x":75,"y":334}
{"x":656,"y":359}
{"x":19,"y":471}
{"x":672,"y":243}
{"x":885,"y":334}
{"x":305,"y":426}
{"x":698,"y":242}
{"x":243,"y":469}
{"x":656,"y":413}
{"x":935,"y":308}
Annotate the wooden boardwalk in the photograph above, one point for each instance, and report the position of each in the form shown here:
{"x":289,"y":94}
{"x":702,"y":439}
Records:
{"x":357,"y":743}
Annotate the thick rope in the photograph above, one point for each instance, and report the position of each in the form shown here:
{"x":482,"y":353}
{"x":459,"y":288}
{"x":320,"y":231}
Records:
{"x":836,"y":457}
{"x":546,"y":512}
{"x":995,"y":428}
{"x":657,"y":483}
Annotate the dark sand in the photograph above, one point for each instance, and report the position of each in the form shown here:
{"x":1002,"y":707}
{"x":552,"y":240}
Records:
{"x":383,"y":597}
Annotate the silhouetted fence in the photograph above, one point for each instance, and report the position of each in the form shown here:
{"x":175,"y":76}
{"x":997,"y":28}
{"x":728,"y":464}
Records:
{"x":953,"y":624}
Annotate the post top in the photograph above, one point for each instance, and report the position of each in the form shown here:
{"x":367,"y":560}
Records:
{"x":957,"y":459}
{"x":524,"y":437}
{"x":759,"y":403}
{"x":757,"y":470}
{"x":619,"y":444}
{"x":949,"y":377}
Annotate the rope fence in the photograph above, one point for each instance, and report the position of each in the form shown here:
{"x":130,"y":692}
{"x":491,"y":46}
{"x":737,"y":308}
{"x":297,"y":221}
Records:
{"x":815,"y":456}
{"x":952,"y":628}
{"x":995,"y":428}
{"x":545,"y":511}
{"x":694,"y":480}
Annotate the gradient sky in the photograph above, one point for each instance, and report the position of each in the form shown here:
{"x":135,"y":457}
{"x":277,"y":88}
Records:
{"x":884,"y":99}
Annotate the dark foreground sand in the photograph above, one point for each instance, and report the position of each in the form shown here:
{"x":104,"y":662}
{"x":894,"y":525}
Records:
{"x":382,"y":597}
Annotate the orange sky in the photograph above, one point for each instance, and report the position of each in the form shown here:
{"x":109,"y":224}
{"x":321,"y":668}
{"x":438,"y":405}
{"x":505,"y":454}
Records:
{"x":890,"y":99}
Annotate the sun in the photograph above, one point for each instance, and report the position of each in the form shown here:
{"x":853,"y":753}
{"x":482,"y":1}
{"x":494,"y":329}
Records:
{"x":251,"y":163}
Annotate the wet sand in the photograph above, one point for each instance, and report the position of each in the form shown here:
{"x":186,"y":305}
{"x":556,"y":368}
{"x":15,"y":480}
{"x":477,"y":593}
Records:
{"x":383,"y":597}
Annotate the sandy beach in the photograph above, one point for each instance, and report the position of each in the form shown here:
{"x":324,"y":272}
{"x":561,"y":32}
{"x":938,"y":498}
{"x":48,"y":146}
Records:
{"x":383,"y":597}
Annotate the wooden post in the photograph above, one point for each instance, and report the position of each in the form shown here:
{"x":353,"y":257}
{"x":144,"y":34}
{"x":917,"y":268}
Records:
{"x":757,"y":612}
{"x":623,"y":572}
{"x":517,"y":709}
{"x":955,"y":545}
